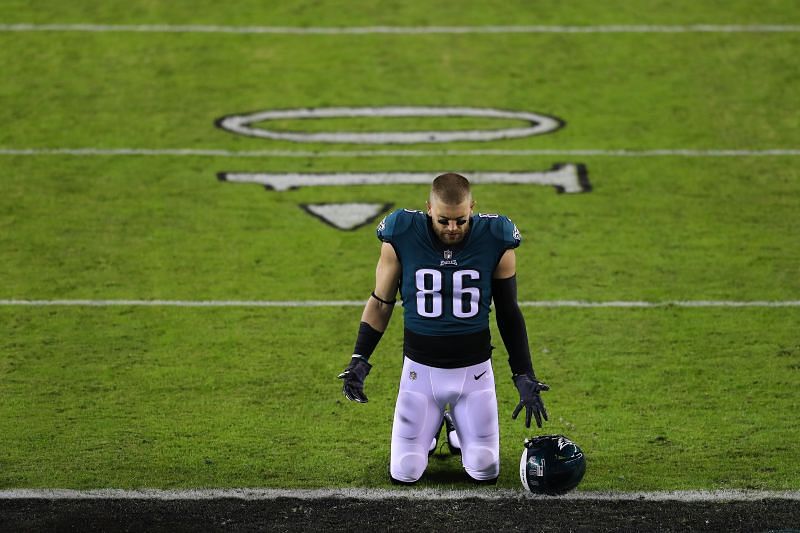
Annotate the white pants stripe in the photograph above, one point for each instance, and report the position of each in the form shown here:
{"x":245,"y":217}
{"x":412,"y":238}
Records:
{"x":424,"y":393}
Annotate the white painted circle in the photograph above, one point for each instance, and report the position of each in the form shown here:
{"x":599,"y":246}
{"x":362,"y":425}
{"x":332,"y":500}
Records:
{"x":241,"y":124}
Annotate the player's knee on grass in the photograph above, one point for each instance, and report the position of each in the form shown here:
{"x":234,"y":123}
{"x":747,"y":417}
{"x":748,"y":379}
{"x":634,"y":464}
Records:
{"x":408,"y":468}
{"x":410,"y":444}
{"x":481,"y":463}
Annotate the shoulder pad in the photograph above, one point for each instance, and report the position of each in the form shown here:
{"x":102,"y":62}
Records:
{"x":395,"y":223}
{"x":504,"y":230}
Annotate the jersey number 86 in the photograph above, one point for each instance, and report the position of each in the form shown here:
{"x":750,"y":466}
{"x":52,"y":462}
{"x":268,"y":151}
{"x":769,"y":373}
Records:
{"x":466,"y":300}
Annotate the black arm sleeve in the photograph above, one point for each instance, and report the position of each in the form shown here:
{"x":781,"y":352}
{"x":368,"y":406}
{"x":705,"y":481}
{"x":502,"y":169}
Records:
{"x":511,"y":324}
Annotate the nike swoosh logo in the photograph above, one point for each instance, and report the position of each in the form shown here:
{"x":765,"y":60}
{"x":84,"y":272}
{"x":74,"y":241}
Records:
{"x":479,"y":376}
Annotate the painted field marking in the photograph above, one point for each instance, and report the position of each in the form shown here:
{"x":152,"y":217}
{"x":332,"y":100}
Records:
{"x":388,"y":494}
{"x":568,"y":178}
{"x":536,"y":124}
{"x":360,"y":303}
{"x":346,"y":216}
{"x":402,"y":30}
{"x":199,"y":152}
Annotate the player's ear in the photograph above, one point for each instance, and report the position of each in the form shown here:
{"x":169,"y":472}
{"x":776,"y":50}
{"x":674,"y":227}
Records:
{"x":471,"y":206}
{"x":428,"y":205}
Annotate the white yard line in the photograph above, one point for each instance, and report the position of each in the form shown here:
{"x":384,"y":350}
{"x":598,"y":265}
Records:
{"x":184,"y":303}
{"x":401,"y":30}
{"x":196,"y":152}
{"x":385,"y":494}
{"x":360,"y":303}
{"x":672,"y":303}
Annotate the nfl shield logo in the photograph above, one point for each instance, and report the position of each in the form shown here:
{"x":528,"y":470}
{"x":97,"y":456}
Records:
{"x":448,"y":255}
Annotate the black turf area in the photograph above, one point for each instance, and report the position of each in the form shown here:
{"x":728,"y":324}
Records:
{"x":335,"y":514}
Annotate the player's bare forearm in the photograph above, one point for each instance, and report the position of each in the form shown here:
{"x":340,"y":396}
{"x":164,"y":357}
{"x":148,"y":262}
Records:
{"x":377,"y":314}
{"x":379,"y":307}
{"x":374,"y":320}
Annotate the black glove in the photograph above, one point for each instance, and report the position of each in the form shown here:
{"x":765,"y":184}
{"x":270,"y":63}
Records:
{"x":353,"y":377}
{"x":529,"y":388}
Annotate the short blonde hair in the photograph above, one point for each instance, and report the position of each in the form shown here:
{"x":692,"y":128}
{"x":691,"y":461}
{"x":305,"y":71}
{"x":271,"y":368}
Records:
{"x":451,"y":188}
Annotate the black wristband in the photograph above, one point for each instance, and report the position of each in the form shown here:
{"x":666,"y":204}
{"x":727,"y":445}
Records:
{"x":366,"y":341}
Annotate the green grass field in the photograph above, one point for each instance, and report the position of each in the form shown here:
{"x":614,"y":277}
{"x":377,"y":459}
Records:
{"x":129,"y":396}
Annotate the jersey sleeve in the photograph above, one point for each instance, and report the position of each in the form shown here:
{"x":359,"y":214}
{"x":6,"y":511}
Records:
{"x":506,"y":232}
{"x":394,"y":224}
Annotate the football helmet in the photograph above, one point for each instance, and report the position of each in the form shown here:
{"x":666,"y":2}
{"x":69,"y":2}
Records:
{"x":551,"y":464}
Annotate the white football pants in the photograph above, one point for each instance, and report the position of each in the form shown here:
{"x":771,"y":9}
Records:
{"x":424,"y":393}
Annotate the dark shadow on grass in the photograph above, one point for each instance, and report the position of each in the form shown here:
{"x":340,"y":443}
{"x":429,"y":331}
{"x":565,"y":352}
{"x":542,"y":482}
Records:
{"x":444,"y":472}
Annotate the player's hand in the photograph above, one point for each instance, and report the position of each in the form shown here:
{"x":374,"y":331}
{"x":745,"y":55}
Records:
{"x":529,"y":388}
{"x":353,"y":380}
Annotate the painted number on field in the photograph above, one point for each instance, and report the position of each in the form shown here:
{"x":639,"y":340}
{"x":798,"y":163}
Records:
{"x":567,"y":178}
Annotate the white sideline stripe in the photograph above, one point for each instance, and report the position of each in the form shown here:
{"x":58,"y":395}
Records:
{"x":360,"y":303}
{"x":386,"y":494}
{"x":180,"y":152}
{"x":403,"y":30}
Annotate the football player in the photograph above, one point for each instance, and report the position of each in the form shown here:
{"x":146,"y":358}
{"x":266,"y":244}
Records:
{"x":449,"y":264}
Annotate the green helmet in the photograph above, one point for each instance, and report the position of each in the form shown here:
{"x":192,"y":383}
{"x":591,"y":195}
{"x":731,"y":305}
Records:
{"x":551,"y":464}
